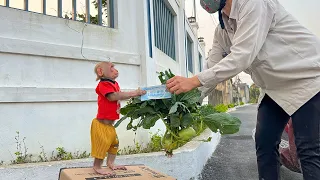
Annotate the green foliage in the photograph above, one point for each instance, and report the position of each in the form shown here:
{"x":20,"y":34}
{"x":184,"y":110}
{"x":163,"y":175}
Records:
{"x":179,"y":113}
{"x":254,"y":93}
{"x":62,"y":154}
{"x":154,"y":145}
{"x":224,"y":122}
{"x":43,"y":156}
{"x":221,"y":108}
{"x":21,"y":153}
{"x":231,"y":105}
{"x":241,"y":103}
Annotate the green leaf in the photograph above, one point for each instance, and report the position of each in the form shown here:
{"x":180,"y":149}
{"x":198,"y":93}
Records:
{"x":167,"y":75}
{"x":172,"y":75}
{"x":187,"y":120}
{"x":166,"y":102}
{"x":161,"y":79}
{"x":174,"y":108}
{"x":144,"y":104}
{"x":134,"y":114}
{"x":130,"y":126}
{"x":128,"y":108}
{"x":120,"y":121}
{"x":150,"y":121}
{"x":136,"y":100}
{"x":159,"y":104}
{"x":206,"y":110}
{"x":191,"y":96}
{"x":146,"y":110}
{"x":152,"y":102}
{"x":209,"y":139}
{"x":226,"y":123}
{"x":174,"y":98}
{"x":206,"y":140}
{"x":174,"y":120}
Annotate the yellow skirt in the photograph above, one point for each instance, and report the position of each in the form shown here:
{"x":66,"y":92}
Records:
{"x":103,"y":139}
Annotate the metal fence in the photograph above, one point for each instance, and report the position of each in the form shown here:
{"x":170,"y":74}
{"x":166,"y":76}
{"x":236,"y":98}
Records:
{"x":99,"y":5}
{"x":164,"y":28}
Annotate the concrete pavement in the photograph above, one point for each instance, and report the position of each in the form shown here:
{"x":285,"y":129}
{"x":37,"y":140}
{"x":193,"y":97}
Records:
{"x":235,"y":159}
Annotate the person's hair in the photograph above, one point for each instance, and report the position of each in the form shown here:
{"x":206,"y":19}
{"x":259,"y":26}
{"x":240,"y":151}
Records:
{"x":99,"y":66}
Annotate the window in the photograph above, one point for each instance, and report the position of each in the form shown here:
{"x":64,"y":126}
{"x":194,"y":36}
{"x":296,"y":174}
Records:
{"x":200,"y":63}
{"x":101,"y":11}
{"x":149,"y":29}
{"x":164,"y":28}
{"x":189,"y":54}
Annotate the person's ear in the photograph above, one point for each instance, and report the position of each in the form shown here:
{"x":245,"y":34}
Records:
{"x":100,"y":71}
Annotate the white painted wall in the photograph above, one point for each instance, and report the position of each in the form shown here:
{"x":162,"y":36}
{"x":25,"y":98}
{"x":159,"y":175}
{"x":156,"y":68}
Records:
{"x":47,"y":85}
{"x":46,"y":74}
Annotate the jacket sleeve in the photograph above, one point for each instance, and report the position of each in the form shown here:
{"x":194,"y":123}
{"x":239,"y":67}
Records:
{"x":220,"y":45}
{"x":253,"y":24}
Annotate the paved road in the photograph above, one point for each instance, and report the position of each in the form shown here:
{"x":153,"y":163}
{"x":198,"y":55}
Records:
{"x":235,"y":157}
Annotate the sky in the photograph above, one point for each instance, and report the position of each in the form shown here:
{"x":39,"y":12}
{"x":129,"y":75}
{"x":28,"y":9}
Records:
{"x":306,"y":14}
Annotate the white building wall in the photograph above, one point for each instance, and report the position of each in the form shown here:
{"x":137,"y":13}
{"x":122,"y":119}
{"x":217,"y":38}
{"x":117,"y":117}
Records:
{"x":46,"y":74}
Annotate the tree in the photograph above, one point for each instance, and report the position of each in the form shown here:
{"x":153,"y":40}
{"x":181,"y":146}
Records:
{"x":254,"y":93}
{"x":236,"y":86}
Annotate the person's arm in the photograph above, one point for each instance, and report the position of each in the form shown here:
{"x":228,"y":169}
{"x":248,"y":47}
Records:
{"x":116,"y":96}
{"x":221,"y":44}
{"x":108,"y":90}
{"x":255,"y":20}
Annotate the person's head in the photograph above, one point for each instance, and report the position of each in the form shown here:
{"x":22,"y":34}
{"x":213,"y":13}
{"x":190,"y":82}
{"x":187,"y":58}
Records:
{"x":213,"y":6}
{"x":106,"y":70}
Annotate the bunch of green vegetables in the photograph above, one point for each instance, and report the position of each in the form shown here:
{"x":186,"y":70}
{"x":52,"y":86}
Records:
{"x":182,"y":115}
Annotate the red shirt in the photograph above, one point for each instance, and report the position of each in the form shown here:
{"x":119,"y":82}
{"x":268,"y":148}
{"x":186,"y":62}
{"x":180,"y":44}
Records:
{"x":107,"y":110}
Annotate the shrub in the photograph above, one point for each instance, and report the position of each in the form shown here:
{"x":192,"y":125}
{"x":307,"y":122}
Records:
{"x":221,"y":108}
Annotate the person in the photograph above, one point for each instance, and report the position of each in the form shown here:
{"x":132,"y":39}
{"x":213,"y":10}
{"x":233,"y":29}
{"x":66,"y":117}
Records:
{"x":287,"y":149}
{"x":103,"y":134}
{"x":283,"y":58}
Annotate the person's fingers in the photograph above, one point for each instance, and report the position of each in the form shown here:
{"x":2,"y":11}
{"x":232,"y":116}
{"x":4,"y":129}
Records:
{"x":171,"y":79}
{"x":174,"y":89}
{"x":174,"y":82}
{"x":171,"y":85}
{"x":179,"y":91}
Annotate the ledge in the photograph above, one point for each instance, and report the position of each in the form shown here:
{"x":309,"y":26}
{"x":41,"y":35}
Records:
{"x":186,"y":163}
{"x":34,"y":94}
{"x":28,"y":47}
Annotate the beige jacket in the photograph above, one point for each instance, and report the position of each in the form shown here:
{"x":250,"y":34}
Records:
{"x":265,"y":41}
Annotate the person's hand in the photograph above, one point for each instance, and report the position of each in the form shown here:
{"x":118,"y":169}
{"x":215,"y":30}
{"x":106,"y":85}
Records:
{"x":179,"y":84}
{"x":139,"y":92}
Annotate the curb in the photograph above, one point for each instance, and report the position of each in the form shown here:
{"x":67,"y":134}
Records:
{"x":187,"y":162}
